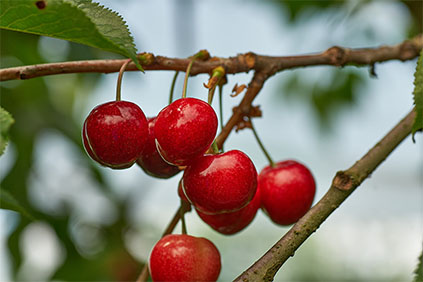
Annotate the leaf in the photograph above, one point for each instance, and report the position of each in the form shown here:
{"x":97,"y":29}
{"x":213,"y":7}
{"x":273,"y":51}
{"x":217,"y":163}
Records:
{"x":6,"y":121}
{"x":80,"y":21}
{"x":418,"y":273}
{"x":418,"y":96}
{"x":8,"y":202}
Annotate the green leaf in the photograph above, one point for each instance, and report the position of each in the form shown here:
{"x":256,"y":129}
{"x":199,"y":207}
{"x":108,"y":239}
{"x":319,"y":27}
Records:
{"x":418,"y":96}
{"x":418,"y":273}
{"x":80,"y":21}
{"x":6,"y":121}
{"x":8,"y":202}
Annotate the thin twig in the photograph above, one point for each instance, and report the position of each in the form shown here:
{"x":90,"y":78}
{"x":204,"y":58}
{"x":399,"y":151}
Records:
{"x":336,"y":56}
{"x":185,"y":207}
{"x":169,"y":229}
{"x":344,"y":183}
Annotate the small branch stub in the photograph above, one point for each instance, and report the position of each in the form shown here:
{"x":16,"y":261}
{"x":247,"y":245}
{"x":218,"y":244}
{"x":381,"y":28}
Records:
{"x":216,"y":78}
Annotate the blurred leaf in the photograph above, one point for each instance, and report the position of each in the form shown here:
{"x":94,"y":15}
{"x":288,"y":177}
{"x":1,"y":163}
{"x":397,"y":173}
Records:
{"x":418,"y":96}
{"x":32,"y":104}
{"x":8,"y":202}
{"x":79,"y":21}
{"x":325,"y":96}
{"x":6,"y":121}
{"x":295,"y":8}
{"x":418,"y":272}
{"x":415,"y":8}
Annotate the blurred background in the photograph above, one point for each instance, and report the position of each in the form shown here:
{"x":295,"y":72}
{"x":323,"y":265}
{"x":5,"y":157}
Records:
{"x":96,"y":224}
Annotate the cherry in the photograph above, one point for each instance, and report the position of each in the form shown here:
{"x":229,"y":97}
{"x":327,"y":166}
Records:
{"x":151,"y":161}
{"x":220,"y":183}
{"x":115,"y":133}
{"x":184,"y":258}
{"x":287,"y":191}
{"x":185,"y":130}
{"x":233,"y":222}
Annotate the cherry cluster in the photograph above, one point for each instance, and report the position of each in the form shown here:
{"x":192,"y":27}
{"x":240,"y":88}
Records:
{"x":223,"y":187}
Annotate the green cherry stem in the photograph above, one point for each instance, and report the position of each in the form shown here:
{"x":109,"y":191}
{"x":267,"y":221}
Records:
{"x":202,"y":55}
{"x":221,"y":109}
{"x":172,"y":87}
{"x":221,"y":106}
{"x":271,"y":162}
{"x":184,"y":90}
{"x":119,"y":81}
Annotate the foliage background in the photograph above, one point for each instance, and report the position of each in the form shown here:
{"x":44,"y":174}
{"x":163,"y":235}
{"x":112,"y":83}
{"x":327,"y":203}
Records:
{"x":93,"y":223}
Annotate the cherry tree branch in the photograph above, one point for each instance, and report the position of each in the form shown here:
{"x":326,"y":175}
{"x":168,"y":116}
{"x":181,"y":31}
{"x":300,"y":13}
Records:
{"x":344,"y":183}
{"x":336,"y":56}
{"x":264,"y":67}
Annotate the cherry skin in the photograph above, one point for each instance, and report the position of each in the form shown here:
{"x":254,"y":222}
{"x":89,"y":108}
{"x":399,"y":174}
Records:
{"x":151,"y":161}
{"x":233,"y":222}
{"x":220,"y":183}
{"x":115,"y":133}
{"x":287,"y":191}
{"x":185,"y":130}
{"x":180,"y":257}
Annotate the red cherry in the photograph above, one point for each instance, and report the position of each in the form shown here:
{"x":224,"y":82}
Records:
{"x":184,"y":258}
{"x":287,"y":191}
{"x":185,"y":130}
{"x":233,"y":222}
{"x":151,"y":161}
{"x":220,"y":183}
{"x":115,"y":134}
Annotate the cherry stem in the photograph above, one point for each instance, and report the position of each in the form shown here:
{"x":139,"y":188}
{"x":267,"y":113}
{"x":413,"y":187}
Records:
{"x":172,"y":87}
{"x":221,"y":108}
{"x":271,"y":162}
{"x":184,"y":90}
{"x":119,"y":81}
{"x":202,"y":54}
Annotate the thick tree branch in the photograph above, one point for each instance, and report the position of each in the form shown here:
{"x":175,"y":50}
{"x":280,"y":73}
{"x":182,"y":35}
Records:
{"x":344,"y":183}
{"x":336,"y":56}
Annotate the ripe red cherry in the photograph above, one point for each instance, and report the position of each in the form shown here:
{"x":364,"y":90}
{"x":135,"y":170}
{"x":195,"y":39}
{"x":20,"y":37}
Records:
{"x":185,"y":130}
{"x":287,"y":191}
{"x":115,"y":133}
{"x":151,"y":161}
{"x":220,"y":183}
{"x":233,"y":222}
{"x":184,"y":258}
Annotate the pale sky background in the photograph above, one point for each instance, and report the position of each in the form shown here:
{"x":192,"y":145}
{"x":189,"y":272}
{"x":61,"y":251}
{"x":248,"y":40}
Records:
{"x":377,"y":232}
